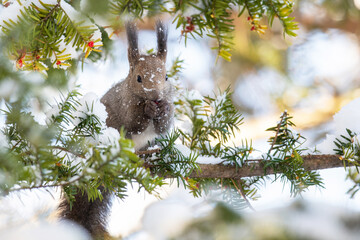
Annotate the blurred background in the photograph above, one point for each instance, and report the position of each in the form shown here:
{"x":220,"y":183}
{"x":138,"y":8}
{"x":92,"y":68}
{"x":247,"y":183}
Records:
{"x":312,"y":76}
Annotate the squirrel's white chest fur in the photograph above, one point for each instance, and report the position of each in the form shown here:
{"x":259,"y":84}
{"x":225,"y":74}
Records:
{"x":142,"y":139}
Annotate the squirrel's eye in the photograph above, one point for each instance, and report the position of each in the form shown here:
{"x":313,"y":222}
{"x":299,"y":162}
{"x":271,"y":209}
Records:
{"x":139,"y":79}
{"x":166,"y":77}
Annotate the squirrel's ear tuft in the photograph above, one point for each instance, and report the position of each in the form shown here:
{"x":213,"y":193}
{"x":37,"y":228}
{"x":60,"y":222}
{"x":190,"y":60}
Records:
{"x":161,"y":34}
{"x":132,"y":36}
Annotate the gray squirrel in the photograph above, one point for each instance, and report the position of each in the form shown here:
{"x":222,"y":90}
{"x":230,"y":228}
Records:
{"x":143,"y":105}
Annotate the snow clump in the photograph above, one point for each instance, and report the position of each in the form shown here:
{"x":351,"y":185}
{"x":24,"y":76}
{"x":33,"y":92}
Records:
{"x":45,"y":230}
{"x":89,"y":105}
{"x":347,"y":118}
{"x":168,"y":218}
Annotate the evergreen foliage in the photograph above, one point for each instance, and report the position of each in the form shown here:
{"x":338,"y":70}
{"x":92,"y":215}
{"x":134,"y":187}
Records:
{"x":297,"y":221}
{"x":284,"y":156}
{"x":71,"y":149}
{"x":44,"y":31}
{"x":348,"y":148}
{"x":353,"y":175}
{"x":68,"y":152}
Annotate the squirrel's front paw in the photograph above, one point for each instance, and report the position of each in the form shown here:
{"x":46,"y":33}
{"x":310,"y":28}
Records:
{"x":163,"y":109}
{"x":150,"y":109}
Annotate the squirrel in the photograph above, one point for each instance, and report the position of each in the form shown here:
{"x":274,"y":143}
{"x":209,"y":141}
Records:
{"x":142,"y":104}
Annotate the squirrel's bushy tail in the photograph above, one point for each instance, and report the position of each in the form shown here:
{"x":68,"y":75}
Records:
{"x":92,"y":215}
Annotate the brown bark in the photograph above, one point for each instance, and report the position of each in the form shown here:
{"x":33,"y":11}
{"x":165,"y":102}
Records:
{"x":256,"y":167}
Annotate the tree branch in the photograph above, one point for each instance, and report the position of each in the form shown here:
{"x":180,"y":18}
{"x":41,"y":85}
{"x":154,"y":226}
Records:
{"x":146,"y":152}
{"x":256,"y":168}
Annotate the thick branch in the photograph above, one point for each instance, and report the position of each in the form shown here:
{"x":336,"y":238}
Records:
{"x":256,"y":167}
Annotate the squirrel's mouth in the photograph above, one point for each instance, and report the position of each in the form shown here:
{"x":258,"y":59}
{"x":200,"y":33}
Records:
{"x":156,"y":99}
{"x":154,"y":96}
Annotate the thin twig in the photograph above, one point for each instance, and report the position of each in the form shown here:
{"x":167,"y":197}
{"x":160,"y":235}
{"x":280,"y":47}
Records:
{"x":156,"y":150}
{"x":242,"y":193}
{"x":47,"y":186}
{"x":51,"y":12}
{"x":67,"y":150}
{"x":17,"y":143}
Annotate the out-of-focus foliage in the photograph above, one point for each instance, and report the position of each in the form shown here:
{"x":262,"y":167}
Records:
{"x":301,"y":220}
{"x":43,"y":31}
{"x":55,"y":30}
{"x":71,"y":149}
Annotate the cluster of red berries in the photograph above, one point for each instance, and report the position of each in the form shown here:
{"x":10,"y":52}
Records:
{"x":90,"y":44}
{"x":252,"y":22}
{"x":255,"y":26}
{"x":21,"y":59}
{"x":20,"y":63}
{"x":190,"y":25}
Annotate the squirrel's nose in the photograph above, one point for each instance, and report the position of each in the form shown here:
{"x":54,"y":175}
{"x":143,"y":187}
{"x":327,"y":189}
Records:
{"x":155,"y":96}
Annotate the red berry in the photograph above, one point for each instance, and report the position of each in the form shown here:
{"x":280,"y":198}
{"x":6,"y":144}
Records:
{"x":197,"y":185}
{"x":37,"y":57}
{"x":20,"y":62}
{"x":58,"y":62}
{"x":190,"y":28}
{"x":91,"y":44}
{"x":156,"y":102}
{"x":7,"y":4}
{"x":253,"y":28}
{"x":188,"y":19}
{"x":249,"y":18}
